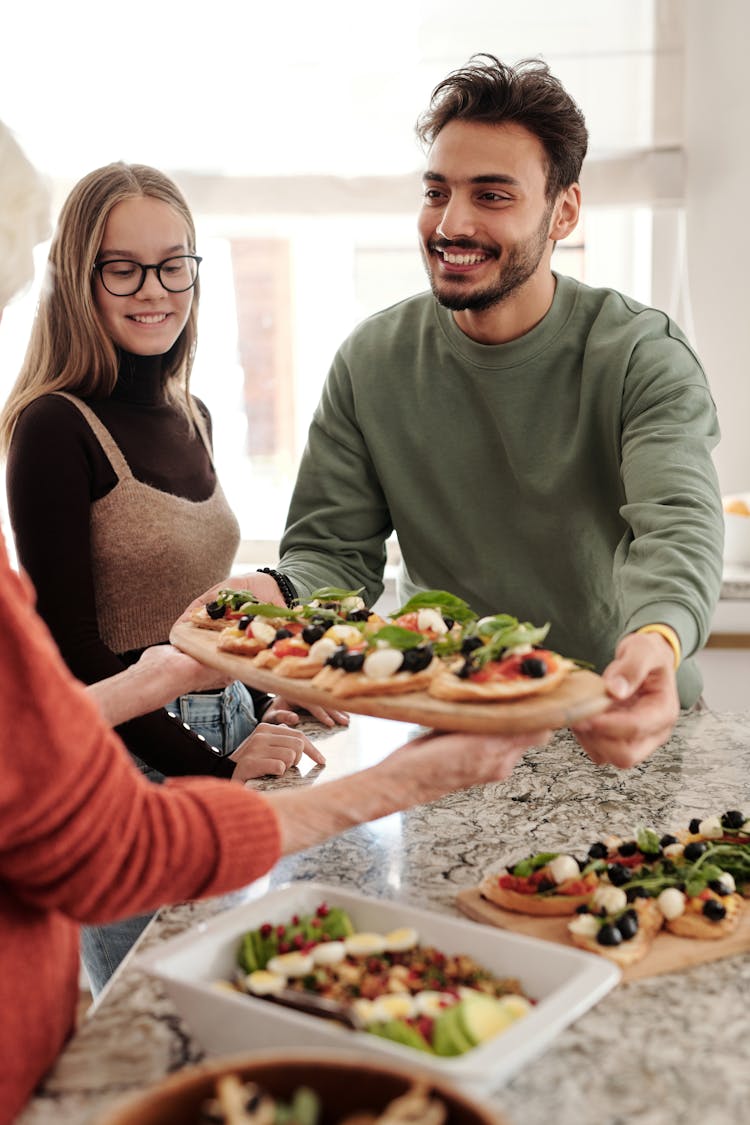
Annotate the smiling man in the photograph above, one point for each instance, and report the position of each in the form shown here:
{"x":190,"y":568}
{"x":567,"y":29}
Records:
{"x":541,"y":447}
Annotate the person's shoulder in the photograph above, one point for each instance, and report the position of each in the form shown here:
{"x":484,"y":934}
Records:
{"x":388,"y":323}
{"x":50,"y":414}
{"x":617,"y":307}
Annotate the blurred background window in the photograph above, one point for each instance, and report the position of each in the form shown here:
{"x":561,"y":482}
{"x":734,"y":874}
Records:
{"x":290,"y":129}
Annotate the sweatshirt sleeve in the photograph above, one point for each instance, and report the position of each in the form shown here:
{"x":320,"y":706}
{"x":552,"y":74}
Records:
{"x":55,"y":469}
{"x":80,"y":830}
{"x":672,"y":569}
{"x":338,"y":520}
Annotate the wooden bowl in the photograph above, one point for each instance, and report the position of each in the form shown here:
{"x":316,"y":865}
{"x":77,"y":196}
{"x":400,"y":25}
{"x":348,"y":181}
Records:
{"x":346,"y":1084}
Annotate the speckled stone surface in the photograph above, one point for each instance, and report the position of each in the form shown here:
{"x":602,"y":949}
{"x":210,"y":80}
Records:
{"x":663,"y":1051}
{"x":735,"y":585}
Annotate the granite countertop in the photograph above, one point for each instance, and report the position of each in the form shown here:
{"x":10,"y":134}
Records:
{"x":735,"y":585}
{"x":662,"y":1051}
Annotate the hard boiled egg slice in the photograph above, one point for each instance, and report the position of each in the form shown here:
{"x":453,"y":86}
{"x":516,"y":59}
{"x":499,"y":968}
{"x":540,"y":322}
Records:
{"x":328,"y":952}
{"x":264,"y":983}
{"x":396,"y":1006}
{"x":364,"y":945}
{"x":401,"y":940}
{"x":292,"y":964}
{"x":516,"y":1006}
{"x":431,"y":1003}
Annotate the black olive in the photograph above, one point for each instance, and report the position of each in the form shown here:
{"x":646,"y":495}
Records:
{"x":313,"y":633}
{"x":632,"y":893}
{"x":215,"y":611}
{"x":316,"y":619}
{"x":470,"y":643}
{"x":532,"y":666}
{"x":618,"y":874}
{"x":449,"y":622}
{"x":733,"y":819}
{"x":352,"y":661}
{"x":282,"y":634}
{"x":358,"y":615}
{"x":417,"y":659}
{"x":714,"y":910}
{"x":627,"y":924}
{"x":667,"y":840}
{"x":598,"y":850}
{"x":244,"y":621}
{"x":629,"y":847}
{"x":609,"y":935}
{"x":695,"y":826}
{"x":719,"y":887}
{"x":546,"y":885}
{"x":694,"y":850}
{"x":465,"y":670}
{"x":336,"y":659}
{"x":582,"y":909}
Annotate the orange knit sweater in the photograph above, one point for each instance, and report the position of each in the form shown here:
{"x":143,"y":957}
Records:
{"x":84,"y":838}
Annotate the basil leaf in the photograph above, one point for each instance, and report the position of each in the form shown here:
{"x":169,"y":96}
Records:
{"x":265,"y":609}
{"x":518,"y":634}
{"x":533,"y":863}
{"x":446,"y":604}
{"x":396,"y":637}
{"x":235,"y":598}
{"x":333,"y":594}
{"x":648,"y":841}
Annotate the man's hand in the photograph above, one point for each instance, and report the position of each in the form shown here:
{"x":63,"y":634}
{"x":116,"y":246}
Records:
{"x":281,"y":711}
{"x":641,"y":680}
{"x":262,"y":585}
{"x":272,"y":750}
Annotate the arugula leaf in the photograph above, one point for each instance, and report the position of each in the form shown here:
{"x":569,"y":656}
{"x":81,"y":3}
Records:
{"x":508,"y":636}
{"x":235,"y":599}
{"x":447,"y":604}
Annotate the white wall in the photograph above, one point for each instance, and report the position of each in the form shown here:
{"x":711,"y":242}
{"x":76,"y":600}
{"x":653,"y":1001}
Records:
{"x":717,"y":128}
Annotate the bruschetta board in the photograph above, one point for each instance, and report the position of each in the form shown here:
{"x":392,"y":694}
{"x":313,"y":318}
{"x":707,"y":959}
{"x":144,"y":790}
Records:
{"x":668,"y":953}
{"x":579,"y":696}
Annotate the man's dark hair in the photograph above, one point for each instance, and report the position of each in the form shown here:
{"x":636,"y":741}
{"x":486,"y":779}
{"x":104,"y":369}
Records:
{"x":489,"y":91}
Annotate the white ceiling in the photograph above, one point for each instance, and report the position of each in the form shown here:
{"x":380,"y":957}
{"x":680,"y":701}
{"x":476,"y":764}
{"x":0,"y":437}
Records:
{"x":333,"y":88}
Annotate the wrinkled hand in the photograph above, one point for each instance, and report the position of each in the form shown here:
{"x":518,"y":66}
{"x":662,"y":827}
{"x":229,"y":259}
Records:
{"x":184,"y":673}
{"x":281,"y":711}
{"x":447,"y":762}
{"x":272,"y":750}
{"x":641,"y":680}
{"x":262,"y":585}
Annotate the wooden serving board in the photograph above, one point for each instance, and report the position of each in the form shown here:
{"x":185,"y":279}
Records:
{"x":668,"y":954}
{"x":580,"y":695}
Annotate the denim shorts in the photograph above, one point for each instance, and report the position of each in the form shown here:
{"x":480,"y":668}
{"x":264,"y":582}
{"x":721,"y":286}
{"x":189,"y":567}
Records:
{"x":224,"y":718}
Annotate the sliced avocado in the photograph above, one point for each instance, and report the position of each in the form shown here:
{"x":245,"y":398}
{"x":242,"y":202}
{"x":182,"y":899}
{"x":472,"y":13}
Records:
{"x":448,"y":1034}
{"x":482,"y":1017}
{"x":399,"y":1031}
{"x":337,"y":924}
{"x":246,"y":956}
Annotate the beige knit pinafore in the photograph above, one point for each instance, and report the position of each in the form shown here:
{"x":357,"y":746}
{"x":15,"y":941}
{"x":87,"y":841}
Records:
{"x":152,"y":553}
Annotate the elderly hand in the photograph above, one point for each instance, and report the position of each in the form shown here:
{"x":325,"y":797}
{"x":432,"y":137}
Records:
{"x":641,"y":680}
{"x":272,"y":750}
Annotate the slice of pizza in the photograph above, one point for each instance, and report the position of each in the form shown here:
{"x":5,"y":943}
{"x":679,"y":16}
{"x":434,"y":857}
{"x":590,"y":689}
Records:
{"x":732,"y":827}
{"x":610,"y":926}
{"x":227,"y":607}
{"x":549,"y":883}
{"x":710,"y":914}
{"x":501,"y":659}
{"x":389,"y":661}
{"x":255,"y":632}
{"x":440,"y":617}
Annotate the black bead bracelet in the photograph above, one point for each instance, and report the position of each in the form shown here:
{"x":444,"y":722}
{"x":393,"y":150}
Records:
{"x":286,"y":586}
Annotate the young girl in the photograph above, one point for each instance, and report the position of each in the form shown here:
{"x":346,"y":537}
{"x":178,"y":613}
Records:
{"x":118,"y":516}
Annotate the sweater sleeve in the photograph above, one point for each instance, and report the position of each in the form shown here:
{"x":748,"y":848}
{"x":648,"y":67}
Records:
{"x":55,"y":469}
{"x":80,"y":830}
{"x":339,"y":519}
{"x":672,"y":569}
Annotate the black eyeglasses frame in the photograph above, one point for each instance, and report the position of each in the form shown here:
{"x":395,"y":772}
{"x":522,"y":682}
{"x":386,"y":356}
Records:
{"x":156,"y":266}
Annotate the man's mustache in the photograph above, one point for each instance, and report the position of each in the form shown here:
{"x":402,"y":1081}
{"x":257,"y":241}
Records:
{"x":441,"y":245}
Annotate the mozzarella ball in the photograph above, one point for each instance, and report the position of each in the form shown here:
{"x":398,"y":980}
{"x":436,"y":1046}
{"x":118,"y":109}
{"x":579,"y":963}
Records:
{"x":563,"y":867}
{"x":671,"y":902}
{"x":382,"y":663}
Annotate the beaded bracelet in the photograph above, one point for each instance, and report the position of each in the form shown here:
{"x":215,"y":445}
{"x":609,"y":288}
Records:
{"x":286,"y":586}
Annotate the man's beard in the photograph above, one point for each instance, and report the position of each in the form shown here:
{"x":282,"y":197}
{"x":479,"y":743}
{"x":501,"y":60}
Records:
{"x":520,"y":264}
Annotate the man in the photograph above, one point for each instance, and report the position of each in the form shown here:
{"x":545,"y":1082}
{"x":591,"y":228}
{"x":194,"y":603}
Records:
{"x":540,"y":447}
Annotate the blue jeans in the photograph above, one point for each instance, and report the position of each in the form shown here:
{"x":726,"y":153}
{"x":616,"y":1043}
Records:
{"x":223,"y":718}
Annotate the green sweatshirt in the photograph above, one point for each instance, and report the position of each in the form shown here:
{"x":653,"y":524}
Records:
{"x":565,"y":476}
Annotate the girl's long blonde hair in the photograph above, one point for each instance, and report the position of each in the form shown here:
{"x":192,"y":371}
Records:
{"x":69,"y":349}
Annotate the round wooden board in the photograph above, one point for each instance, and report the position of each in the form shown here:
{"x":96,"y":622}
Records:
{"x":580,"y":695}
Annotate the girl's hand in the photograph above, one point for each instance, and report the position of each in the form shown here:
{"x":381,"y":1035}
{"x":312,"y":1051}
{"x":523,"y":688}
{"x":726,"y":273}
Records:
{"x":272,"y":750}
{"x":281,"y":711}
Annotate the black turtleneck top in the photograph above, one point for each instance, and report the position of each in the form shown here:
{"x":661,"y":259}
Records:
{"x":56,"y":469}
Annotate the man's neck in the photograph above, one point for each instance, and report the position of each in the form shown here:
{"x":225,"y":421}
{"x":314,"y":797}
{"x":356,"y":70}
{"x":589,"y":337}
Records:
{"x":513,"y":317}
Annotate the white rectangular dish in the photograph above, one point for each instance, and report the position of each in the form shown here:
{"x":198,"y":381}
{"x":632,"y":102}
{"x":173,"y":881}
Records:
{"x":563,"y":982}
